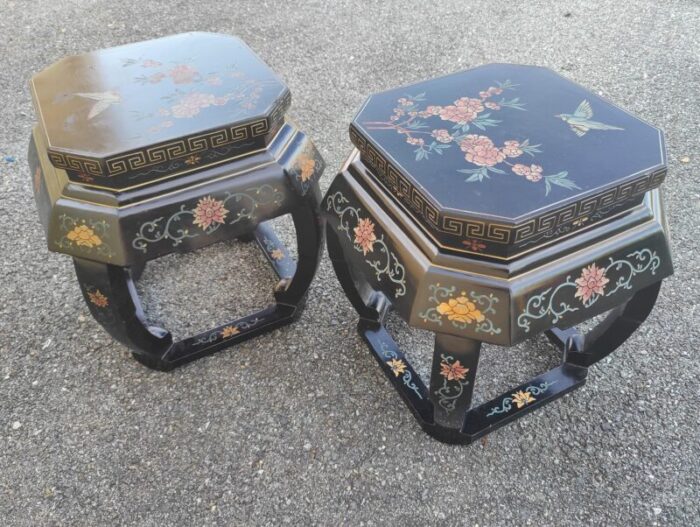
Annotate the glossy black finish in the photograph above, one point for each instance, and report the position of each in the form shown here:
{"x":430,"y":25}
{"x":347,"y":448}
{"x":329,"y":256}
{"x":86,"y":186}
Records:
{"x":124,"y":318}
{"x":445,"y":411}
{"x":124,"y":116}
{"x":489,"y":206}
{"x":440,"y":148}
{"x":168,"y":146}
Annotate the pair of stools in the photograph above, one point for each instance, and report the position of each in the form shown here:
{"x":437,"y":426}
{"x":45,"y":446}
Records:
{"x":489,"y":205}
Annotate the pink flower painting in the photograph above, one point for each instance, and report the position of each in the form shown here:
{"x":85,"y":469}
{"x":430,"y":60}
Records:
{"x":182,"y":74}
{"x":591,"y":282}
{"x":481,"y":151}
{"x":209,"y":211}
{"x":364,"y":235}
{"x":412,"y":120}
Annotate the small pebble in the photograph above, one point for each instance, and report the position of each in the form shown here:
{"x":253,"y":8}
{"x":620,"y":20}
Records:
{"x":16,"y":425}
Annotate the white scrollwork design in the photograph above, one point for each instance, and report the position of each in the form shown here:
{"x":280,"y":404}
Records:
{"x":486,"y":302}
{"x":550,"y":303}
{"x":522,"y":398}
{"x":407,"y":376}
{"x":388,"y":265}
{"x":180,"y":225}
{"x":213,"y":336}
{"x":451,"y":390}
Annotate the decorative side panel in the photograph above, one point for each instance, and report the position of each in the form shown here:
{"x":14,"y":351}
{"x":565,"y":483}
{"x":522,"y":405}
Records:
{"x":365,"y":236}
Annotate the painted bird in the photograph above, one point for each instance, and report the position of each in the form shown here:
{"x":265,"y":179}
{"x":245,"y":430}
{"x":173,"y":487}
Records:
{"x":103,"y":100}
{"x":580,"y":121}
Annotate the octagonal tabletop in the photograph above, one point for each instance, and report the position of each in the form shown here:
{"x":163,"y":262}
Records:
{"x":136,"y":108}
{"x":501,"y":158}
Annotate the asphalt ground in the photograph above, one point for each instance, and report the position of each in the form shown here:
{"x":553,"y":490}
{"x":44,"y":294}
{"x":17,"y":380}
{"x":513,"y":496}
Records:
{"x":299,"y":426}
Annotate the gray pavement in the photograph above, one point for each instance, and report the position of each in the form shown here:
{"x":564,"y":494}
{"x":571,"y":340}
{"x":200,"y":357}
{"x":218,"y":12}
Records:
{"x":299,"y":426}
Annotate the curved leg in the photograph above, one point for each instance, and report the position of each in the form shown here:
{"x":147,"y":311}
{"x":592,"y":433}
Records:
{"x":111,"y":296}
{"x":444,"y":410}
{"x":610,"y":333}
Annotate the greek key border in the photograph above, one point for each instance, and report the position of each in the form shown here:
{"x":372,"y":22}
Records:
{"x":154,"y":155}
{"x":411,"y":197}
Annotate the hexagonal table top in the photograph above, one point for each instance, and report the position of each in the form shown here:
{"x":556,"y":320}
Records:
{"x":501,"y":145}
{"x":124,"y":99}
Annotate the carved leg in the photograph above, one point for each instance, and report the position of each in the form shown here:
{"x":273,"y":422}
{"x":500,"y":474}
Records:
{"x":610,"y":333}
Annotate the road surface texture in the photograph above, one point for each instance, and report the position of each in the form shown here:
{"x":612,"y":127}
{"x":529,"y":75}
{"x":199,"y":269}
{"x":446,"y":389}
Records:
{"x":299,"y":426}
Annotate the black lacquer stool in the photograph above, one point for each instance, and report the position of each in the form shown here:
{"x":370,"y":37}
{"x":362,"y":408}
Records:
{"x":168,"y":146}
{"x":489,"y":206}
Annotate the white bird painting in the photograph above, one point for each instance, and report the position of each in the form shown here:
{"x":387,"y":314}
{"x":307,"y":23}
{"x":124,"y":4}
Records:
{"x":103,"y":100}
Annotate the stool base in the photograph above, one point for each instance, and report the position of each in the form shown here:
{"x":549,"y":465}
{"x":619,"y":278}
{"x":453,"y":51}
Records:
{"x":443,"y":407}
{"x":111,"y":295}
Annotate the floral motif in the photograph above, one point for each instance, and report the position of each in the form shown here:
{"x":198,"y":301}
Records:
{"x":394,"y":359}
{"x":387,"y":263}
{"x":85,"y":178}
{"x":229,"y":331}
{"x":554,"y":302}
{"x":306,"y":167}
{"x":364,"y":235}
{"x":83,"y":235}
{"x":532,"y":172}
{"x":466,"y":112}
{"x":398,"y":367}
{"x":474,"y":245}
{"x":454,"y":371}
{"x":591,"y":282}
{"x":192,"y":160}
{"x":192,"y":103}
{"x":277,"y":254}
{"x":521,"y":398}
{"x":97,"y":298}
{"x":461,"y":311}
{"x":208,"y":211}
{"x":184,"y":104}
{"x":453,"y":383}
{"x":480,"y":150}
{"x":442,"y":135}
{"x":511,"y":149}
{"x":183,"y":74}
{"x":209,"y":214}
{"x":226,"y":332}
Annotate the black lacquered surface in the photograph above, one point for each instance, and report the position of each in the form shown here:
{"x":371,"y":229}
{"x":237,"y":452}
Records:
{"x":123,"y":116}
{"x":477,"y":155}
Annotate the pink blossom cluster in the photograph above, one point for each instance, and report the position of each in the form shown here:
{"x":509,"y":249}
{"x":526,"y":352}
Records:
{"x":182,"y":74}
{"x":490,"y":92}
{"x":191,"y":104}
{"x":481,"y":151}
{"x":512,"y":149}
{"x":442,"y":135}
{"x":415,"y":141}
{"x":532,"y":172}
{"x":463,"y":111}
